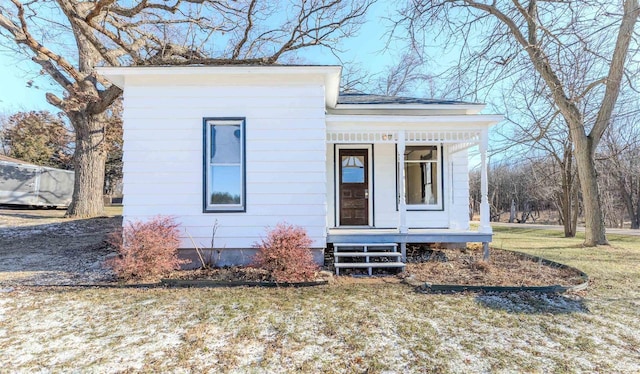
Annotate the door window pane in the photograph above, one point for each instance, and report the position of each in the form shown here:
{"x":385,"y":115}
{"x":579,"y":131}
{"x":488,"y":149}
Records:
{"x":352,"y":169}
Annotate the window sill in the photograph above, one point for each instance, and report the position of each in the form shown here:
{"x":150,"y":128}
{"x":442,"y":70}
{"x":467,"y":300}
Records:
{"x":225,"y":210}
{"x":419,"y":208}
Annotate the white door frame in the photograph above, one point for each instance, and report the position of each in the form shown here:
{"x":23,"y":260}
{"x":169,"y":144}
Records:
{"x":336,"y":172}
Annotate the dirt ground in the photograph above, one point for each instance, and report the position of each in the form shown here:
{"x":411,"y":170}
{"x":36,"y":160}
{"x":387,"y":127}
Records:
{"x":41,"y":247}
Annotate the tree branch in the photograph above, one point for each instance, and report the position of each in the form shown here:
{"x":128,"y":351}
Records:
{"x":97,"y":9}
{"x":616,"y":69}
{"x":43,"y":56}
{"x":247,"y":30}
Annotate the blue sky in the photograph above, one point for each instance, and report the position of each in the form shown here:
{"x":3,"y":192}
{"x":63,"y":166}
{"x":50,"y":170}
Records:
{"x":14,"y":93}
{"x":15,"y":72}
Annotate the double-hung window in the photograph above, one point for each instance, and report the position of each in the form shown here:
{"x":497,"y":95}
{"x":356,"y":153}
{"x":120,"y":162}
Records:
{"x":423,"y":179}
{"x":224,"y":165}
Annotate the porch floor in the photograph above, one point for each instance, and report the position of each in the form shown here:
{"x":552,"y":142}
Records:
{"x":375,"y":235}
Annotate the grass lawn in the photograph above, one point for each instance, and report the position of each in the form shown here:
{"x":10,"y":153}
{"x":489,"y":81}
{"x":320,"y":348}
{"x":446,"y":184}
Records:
{"x":340,"y":327}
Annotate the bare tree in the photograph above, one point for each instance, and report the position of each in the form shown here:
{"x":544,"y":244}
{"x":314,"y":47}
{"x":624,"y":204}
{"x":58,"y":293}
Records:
{"x":538,"y":135}
{"x":402,"y":77}
{"x":579,"y":48}
{"x":68,"y":38}
{"x":355,"y":78}
{"x":620,"y":168}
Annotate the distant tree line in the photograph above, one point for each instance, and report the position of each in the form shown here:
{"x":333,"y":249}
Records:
{"x":521,"y":189}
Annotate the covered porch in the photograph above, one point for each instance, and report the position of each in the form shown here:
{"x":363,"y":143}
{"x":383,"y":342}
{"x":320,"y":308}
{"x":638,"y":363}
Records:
{"x":385,"y":246}
{"x":453,"y":140}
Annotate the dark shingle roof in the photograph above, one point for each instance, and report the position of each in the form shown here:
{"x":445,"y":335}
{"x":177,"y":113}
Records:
{"x":360,"y":98}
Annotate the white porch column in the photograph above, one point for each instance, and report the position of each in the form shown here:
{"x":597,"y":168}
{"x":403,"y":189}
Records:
{"x":402,"y":203}
{"x":485,"y":219}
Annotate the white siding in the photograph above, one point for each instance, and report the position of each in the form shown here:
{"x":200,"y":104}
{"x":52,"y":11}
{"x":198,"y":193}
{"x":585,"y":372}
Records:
{"x":285,"y":158}
{"x":331,"y":187}
{"x":459,"y":217}
{"x":385,"y":190}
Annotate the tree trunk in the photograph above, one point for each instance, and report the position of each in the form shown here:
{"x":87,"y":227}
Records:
{"x":635,"y":218}
{"x":594,"y":224}
{"x":569,"y":194}
{"x":566,"y":213}
{"x":89,"y":162}
{"x":575,"y":212}
{"x":512,"y":214}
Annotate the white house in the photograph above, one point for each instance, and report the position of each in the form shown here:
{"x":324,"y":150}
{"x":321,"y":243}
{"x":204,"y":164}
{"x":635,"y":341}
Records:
{"x":251,"y":146}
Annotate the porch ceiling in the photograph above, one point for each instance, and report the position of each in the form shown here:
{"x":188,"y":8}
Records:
{"x":391,"y":136}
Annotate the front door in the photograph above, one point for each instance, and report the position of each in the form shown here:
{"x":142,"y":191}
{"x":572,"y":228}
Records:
{"x":354,"y":187}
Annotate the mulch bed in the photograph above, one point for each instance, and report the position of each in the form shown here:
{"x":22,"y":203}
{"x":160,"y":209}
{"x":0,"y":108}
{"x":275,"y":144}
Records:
{"x":504,"y":268}
{"x":233,"y":275}
{"x":429,"y":265}
{"x":226,"y":274}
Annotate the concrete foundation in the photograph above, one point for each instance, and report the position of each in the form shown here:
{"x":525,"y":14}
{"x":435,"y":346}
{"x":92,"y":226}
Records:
{"x":231,"y":257}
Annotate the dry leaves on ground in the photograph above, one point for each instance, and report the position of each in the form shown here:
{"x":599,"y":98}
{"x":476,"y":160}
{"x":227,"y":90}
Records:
{"x":504,"y":268}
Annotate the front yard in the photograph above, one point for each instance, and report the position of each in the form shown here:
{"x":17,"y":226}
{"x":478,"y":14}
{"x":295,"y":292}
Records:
{"x":342,"y":327}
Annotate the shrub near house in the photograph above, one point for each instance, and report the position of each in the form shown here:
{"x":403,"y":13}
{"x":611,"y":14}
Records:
{"x":286,"y":254}
{"x":146,"y":249}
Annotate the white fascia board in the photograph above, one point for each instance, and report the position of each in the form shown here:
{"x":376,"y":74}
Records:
{"x":476,"y":119}
{"x":121,"y":76}
{"x":468,"y":108}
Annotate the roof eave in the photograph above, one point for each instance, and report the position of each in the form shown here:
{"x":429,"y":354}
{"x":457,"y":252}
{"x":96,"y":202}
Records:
{"x":330,"y":74}
{"x":477,"y":119}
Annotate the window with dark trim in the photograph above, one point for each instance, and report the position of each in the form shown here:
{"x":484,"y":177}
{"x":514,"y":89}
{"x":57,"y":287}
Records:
{"x":423,"y":177}
{"x":224,"y":165}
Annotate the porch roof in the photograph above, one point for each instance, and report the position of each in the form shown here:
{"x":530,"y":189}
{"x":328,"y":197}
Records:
{"x":461,"y":131}
{"x":347,"y":98}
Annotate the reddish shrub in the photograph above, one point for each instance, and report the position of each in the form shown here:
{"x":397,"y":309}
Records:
{"x":286,"y":255}
{"x":146,"y":249}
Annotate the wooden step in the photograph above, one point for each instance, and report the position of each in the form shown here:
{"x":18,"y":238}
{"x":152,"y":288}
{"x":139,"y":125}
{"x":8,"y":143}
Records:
{"x":335,"y":245}
{"x":369,"y":265}
{"x":363,"y":254}
{"x":361,"y":250}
